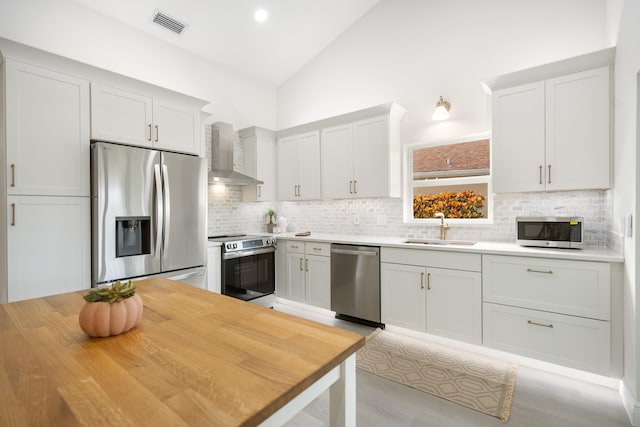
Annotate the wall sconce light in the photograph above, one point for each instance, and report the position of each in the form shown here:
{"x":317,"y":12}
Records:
{"x":442,"y":110}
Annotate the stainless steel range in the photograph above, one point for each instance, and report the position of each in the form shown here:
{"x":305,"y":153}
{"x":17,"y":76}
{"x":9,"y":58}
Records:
{"x":248,"y":267}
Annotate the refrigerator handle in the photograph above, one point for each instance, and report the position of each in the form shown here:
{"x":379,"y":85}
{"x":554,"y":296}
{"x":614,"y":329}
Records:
{"x":159,"y":209}
{"x":167,"y":204}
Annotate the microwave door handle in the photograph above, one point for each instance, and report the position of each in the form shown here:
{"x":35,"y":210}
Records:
{"x":167,"y":205}
{"x":159,"y":208}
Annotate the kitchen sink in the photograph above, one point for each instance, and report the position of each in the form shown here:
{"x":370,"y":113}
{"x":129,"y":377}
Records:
{"x":441,"y":242}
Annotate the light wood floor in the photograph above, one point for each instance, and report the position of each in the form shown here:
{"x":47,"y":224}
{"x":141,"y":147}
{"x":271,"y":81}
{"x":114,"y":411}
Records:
{"x":541,"y":399}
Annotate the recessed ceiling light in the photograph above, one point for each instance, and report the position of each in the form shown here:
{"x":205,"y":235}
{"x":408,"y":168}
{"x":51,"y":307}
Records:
{"x":261,"y":15}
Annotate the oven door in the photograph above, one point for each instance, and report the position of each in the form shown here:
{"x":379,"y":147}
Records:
{"x":249,"y":274}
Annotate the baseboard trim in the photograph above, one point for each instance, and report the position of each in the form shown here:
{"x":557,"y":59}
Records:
{"x":631,"y":405}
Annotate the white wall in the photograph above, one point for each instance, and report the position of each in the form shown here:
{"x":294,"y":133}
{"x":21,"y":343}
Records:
{"x":626,"y":197}
{"x":412,"y":51}
{"x":69,"y":29}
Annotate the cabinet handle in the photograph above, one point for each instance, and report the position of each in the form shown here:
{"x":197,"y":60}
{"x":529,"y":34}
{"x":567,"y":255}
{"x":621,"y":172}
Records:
{"x":306,"y":265}
{"x":299,"y":194}
{"x":355,"y":190}
{"x":149,"y":132}
{"x":300,"y":264}
{"x":549,"y":181}
{"x":259,"y":191}
{"x":157,"y":134}
{"x":350,"y":187}
{"x":421,"y":280}
{"x":13,"y":174}
{"x":531,"y":270}
{"x":545,"y":325}
{"x":317,"y":249}
{"x":294,"y":246}
{"x":428,"y":281}
{"x":540,"y":174}
{"x":13,"y":214}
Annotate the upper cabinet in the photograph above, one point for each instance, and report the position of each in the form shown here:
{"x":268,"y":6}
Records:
{"x":360,"y":160}
{"x":156,"y":121}
{"x":259,"y":155}
{"x":47,"y":132}
{"x":553,"y":134}
{"x":359,"y":156}
{"x":299,"y":167}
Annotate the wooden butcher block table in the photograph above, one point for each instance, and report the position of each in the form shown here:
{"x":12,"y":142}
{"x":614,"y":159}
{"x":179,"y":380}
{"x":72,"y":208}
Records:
{"x":197,"y":359}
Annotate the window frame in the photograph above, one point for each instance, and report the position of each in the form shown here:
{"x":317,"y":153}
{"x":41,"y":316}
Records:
{"x":409,"y":185}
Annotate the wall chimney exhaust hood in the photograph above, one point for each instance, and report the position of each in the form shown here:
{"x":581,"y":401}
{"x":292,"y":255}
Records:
{"x":222,"y":158}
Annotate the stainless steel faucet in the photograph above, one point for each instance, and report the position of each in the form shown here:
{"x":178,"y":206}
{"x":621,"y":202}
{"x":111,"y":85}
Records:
{"x":443,"y":225}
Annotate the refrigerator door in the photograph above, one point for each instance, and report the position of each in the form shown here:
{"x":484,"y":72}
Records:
{"x":185,"y":193}
{"x":126,"y":197}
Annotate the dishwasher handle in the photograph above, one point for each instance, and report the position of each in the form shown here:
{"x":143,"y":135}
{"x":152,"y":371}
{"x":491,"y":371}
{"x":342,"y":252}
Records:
{"x":352,"y":252}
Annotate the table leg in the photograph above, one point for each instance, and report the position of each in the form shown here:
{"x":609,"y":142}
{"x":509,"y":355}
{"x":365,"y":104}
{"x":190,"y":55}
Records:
{"x":342,"y":400}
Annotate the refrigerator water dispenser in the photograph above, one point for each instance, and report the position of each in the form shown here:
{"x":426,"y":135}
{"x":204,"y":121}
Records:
{"x":133,"y":235}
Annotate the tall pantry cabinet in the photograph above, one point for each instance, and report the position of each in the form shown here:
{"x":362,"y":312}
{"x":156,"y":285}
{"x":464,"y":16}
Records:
{"x":45,"y":226}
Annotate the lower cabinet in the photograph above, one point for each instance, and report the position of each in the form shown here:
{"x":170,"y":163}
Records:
{"x":48,"y":246}
{"x":308,"y":278}
{"x":214,"y":260}
{"x":440,"y":301}
{"x":558,"y":311}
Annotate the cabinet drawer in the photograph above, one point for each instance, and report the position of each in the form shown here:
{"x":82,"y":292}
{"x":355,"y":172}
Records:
{"x":295,"y":246}
{"x":577,"y":288}
{"x":432,"y":258}
{"x":317,"y":248}
{"x":566,"y":340}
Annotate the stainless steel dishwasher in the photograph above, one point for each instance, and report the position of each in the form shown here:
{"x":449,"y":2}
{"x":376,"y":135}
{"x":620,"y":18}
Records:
{"x":355,"y":283}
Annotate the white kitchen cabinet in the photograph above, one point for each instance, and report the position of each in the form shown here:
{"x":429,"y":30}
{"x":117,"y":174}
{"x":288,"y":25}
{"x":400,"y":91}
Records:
{"x":48,"y":246}
{"x":47,"y":131}
{"x":402,"y":295}
{"x":553,"y":310}
{"x":553,"y":134}
{"x":299,"y":167}
{"x":161,"y":122}
{"x":426,"y":297}
{"x":214,"y":260}
{"x":360,"y":159}
{"x":308,"y":273}
{"x":259,"y":155}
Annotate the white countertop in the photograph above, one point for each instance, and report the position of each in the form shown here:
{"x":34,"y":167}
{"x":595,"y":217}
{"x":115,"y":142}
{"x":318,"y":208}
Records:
{"x":489,"y":248}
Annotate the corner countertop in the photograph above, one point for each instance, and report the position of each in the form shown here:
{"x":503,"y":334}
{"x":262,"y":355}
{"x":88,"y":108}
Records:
{"x":488,"y":248}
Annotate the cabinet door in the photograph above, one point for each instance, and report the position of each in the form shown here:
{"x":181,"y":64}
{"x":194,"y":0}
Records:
{"x":47,"y":130}
{"x":265,"y":170}
{"x":318,"y":283}
{"x":295,"y":276}
{"x":402,"y":295}
{"x":309,"y":166}
{"x":371,"y":158}
{"x":337,"y":162}
{"x":577,"y":120}
{"x":120,"y":116}
{"x":47,"y":246}
{"x":517,"y":152}
{"x":175,"y":127}
{"x":287,"y":168}
{"x":454,"y":304}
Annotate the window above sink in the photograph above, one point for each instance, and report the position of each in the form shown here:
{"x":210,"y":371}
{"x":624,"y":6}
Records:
{"x":452,"y":176}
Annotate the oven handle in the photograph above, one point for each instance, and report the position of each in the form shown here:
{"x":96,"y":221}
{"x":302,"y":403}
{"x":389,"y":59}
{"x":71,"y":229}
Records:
{"x":240,"y":254}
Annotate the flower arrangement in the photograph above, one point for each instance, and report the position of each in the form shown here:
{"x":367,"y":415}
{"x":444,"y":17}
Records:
{"x":465,"y":204}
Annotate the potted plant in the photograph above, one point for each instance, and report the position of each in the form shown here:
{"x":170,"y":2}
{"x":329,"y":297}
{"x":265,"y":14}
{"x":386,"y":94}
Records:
{"x":272,"y":216}
{"x":111,"y":310}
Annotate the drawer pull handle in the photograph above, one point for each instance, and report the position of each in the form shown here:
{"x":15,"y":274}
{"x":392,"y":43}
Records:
{"x":545,"y":325}
{"x":428,"y":281}
{"x":317,"y":249}
{"x":13,"y":174}
{"x":531,"y":270}
{"x":13,"y":214}
{"x":421,"y":280}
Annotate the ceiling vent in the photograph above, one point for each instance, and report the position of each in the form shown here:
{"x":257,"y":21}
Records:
{"x":168,"y":22}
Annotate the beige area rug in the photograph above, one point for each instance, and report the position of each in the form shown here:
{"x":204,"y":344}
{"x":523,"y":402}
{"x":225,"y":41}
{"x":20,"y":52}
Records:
{"x":468,"y":379}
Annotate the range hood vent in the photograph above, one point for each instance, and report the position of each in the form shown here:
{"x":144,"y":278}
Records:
{"x":222,"y":158}
{"x":168,"y":22}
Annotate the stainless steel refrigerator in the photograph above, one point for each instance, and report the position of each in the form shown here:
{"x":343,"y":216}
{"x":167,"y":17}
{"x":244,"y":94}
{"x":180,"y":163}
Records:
{"x":148,"y":214}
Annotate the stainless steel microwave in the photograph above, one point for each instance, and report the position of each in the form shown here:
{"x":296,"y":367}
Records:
{"x":550,"y":232}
